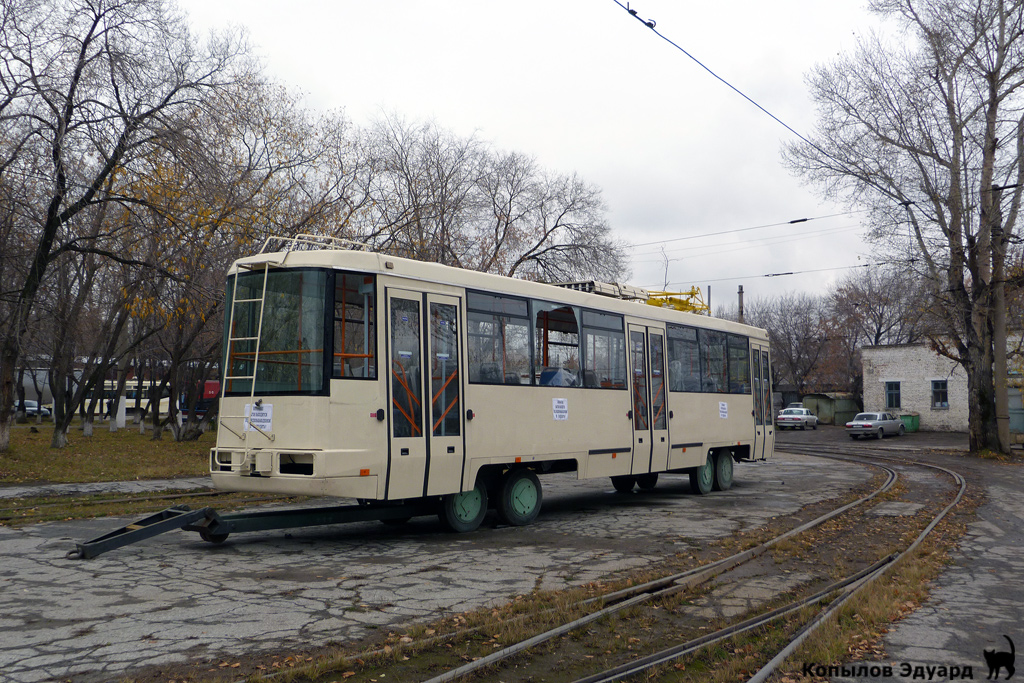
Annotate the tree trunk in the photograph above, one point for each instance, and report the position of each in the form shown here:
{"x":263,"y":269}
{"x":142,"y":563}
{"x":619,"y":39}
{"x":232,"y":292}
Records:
{"x":981,"y":424}
{"x":8,"y":357}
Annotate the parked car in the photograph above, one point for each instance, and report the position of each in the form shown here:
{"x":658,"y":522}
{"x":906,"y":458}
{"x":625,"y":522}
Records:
{"x":876,"y":425}
{"x":33,"y":408}
{"x":796,"y":417}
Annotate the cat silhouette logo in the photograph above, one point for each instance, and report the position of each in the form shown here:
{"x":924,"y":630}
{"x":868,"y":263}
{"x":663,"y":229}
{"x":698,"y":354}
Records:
{"x":1000,"y":660}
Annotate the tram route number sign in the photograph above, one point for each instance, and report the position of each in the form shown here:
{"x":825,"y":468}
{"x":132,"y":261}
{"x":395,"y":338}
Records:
{"x":560,"y":409}
{"x":261,"y":417}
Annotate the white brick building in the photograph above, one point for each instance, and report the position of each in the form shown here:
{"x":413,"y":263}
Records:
{"x":911,"y":378}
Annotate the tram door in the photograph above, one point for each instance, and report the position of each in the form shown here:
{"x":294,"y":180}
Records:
{"x":444,"y":428}
{"x":424,"y":394}
{"x":764,"y":424}
{"x":649,"y":409}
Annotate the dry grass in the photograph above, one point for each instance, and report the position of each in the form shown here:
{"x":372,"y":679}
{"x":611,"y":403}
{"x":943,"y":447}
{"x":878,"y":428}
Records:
{"x":121,"y":456}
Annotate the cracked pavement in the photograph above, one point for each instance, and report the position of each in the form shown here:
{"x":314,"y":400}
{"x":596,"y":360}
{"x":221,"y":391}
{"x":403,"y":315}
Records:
{"x":174,"y":598}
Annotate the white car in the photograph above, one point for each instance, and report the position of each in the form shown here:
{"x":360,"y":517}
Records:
{"x":33,"y":408}
{"x":797,"y":417}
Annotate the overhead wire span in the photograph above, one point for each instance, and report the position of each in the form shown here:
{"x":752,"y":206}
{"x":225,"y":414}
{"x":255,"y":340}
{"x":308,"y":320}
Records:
{"x":793,"y":272}
{"x":753,"y":227}
{"x":651,"y":25}
{"x":758,"y":243}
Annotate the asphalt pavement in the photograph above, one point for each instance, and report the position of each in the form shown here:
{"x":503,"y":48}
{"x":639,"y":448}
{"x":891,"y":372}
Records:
{"x":174,"y":599}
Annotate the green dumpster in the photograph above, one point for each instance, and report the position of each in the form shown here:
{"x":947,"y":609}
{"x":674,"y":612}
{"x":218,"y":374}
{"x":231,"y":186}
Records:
{"x":911,"y":421}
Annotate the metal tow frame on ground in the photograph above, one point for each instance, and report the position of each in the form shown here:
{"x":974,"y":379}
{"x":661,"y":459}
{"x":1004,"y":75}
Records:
{"x":215,"y":527}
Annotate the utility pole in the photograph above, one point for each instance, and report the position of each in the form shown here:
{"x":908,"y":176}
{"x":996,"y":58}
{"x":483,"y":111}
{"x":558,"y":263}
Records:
{"x":740,"y":295}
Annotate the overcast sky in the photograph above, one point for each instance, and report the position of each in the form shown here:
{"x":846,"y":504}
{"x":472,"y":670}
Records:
{"x":585,"y":88}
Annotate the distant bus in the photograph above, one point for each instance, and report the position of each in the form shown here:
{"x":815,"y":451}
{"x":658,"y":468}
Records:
{"x":133,"y":388}
{"x":210,"y":396}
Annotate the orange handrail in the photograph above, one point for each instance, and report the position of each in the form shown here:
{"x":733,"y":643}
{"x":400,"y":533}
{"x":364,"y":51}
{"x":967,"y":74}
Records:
{"x":402,"y":381}
{"x":446,"y":411}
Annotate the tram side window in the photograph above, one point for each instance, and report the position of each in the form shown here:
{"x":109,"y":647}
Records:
{"x":739,"y":365}
{"x":684,"y":367}
{"x":604,"y":351}
{"x":498,"y":332}
{"x":556,"y":359}
{"x":355,"y":334}
{"x":714,"y":370}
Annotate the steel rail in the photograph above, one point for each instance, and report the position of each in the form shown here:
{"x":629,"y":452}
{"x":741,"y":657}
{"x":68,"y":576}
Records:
{"x":769,"y":668}
{"x":662,"y":587}
{"x":853,"y":585}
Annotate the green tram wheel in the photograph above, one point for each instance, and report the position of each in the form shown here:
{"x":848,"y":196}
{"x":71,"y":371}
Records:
{"x":462,"y":512}
{"x":519,"y":498}
{"x":702,"y":478}
{"x":723,"y":470}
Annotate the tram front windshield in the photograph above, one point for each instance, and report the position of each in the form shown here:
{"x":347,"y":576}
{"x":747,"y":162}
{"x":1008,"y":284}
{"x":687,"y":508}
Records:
{"x":289,"y":358}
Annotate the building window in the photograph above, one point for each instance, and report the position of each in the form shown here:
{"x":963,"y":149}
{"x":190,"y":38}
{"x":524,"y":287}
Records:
{"x":940,"y":395}
{"x":892,"y":395}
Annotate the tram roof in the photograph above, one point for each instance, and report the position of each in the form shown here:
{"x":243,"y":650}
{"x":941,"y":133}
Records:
{"x":436,"y":273}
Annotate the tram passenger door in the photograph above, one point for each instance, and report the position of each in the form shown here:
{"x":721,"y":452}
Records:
{"x":407,"y":445}
{"x":764,"y":423}
{"x":425,"y":445}
{"x":445,"y":426}
{"x":649,"y":408}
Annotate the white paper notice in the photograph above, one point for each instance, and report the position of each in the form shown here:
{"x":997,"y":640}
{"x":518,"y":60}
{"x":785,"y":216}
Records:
{"x":560,"y":408}
{"x":262,"y":417}
{"x":723,"y":410}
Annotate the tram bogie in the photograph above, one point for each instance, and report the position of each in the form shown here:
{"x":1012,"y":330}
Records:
{"x":359,"y":375}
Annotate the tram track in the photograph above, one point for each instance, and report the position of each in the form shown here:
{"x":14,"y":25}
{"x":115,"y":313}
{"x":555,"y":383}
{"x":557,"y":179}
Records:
{"x":665,"y":587}
{"x":823,"y":601}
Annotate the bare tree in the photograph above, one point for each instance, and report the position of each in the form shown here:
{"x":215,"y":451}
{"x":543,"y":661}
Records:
{"x":928,"y":134}
{"x":420,"y":180}
{"x":881,"y":305}
{"x":799,"y":335}
{"x":91,"y":88}
{"x":438,"y":197}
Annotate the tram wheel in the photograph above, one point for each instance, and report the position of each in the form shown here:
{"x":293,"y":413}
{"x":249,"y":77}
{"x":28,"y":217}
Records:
{"x":519,"y":498}
{"x":462,"y":512}
{"x":723,"y":471}
{"x":624,"y":483}
{"x":213,"y":538}
{"x":647,"y":481}
{"x":702,"y":478}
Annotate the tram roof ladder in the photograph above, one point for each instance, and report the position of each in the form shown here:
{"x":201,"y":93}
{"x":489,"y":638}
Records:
{"x":247,"y":426}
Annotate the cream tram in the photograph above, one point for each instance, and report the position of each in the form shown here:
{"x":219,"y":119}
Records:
{"x":360,"y":375}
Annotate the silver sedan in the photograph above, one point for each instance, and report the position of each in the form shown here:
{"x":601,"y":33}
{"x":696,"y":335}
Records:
{"x":797,"y":417}
{"x":876,"y":425}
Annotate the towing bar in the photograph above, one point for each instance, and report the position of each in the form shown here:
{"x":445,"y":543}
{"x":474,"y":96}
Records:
{"x":215,"y":527}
